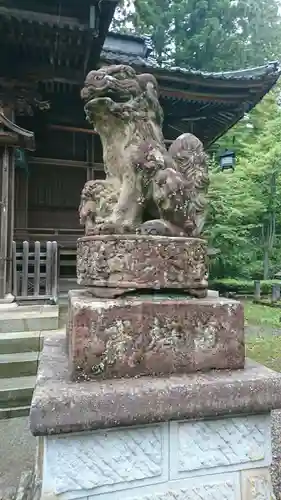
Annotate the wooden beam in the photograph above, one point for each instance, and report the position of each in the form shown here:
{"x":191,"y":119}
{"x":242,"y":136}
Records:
{"x":25,"y":136}
{"x":8,"y":139}
{"x":66,"y":128}
{"x":197,"y":96}
{"x":47,"y":231}
{"x":205,"y":81}
{"x":58,"y":162}
{"x":207,"y":111}
{"x":43,"y":18}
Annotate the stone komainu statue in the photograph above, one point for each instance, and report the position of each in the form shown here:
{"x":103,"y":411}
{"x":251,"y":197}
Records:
{"x":147,"y":190}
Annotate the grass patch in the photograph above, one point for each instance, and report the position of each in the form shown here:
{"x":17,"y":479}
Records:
{"x":256,"y":314}
{"x":265,"y":350}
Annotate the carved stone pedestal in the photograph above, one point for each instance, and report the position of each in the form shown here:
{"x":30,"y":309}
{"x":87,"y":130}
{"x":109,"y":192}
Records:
{"x":152,"y":335}
{"x":187,"y":437}
{"x":142,"y":262}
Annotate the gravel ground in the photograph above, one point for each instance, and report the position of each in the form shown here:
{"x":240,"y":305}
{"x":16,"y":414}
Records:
{"x":17,"y":454}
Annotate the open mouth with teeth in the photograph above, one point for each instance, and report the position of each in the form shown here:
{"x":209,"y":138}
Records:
{"x":93,"y":94}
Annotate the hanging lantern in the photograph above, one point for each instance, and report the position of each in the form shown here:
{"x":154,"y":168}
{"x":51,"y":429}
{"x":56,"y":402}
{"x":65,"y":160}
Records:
{"x":227,"y":160}
{"x":20,"y":159}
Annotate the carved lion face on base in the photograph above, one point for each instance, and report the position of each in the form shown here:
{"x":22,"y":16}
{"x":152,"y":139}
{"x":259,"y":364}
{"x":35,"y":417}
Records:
{"x":118,"y":88}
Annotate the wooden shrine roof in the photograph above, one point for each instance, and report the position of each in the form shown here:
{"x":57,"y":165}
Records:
{"x":206,"y":104}
{"x":61,"y":9}
{"x":13,"y":135}
{"x":49,"y":33}
{"x":53,"y":50}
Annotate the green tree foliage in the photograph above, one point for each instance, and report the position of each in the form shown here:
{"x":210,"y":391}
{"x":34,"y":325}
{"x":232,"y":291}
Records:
{"x":248,"y":130}
{"x":210,"y":35}
{"x":245,"y":206}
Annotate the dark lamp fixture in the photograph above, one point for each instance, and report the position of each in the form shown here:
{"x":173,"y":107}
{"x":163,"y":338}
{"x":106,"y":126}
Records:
{"x":227,"y":160}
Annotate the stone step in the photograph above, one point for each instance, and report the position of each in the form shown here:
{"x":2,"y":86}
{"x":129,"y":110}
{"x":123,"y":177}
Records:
{"x":17,"y":342}
{"x":66,"y":284}
{"x":18,"y":367}
{"x":25,"y":341}
{"x":29,"y":318}
{"x":18,"y":364}
{"x":16,"y":392}
{"x":15,"y":412}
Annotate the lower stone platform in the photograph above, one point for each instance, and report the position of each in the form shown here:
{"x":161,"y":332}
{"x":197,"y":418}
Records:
{"x":189,"y":437}
{"x":222,"y":459}
{"x":152,"y":334}
{"x":62,"y":406}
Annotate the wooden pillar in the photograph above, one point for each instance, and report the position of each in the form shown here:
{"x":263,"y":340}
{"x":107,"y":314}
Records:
{"x":90,"y":156}
{"x":11,"y":220}
{"x":7,"y":213}
{"x":9,"y":113}
{"x":4,"y":237}
{"x":11,"y":137}
{"x":90,"y":174}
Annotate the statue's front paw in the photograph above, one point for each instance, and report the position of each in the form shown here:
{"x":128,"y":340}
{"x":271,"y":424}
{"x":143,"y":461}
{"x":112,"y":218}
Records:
{"x":105,"y":227}
{"x":160,"y":227}
{"x":168,"y":182}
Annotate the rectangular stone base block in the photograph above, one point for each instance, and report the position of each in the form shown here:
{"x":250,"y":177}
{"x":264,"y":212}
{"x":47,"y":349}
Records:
{"x":216,"y":459}
{"x":152,"y":335}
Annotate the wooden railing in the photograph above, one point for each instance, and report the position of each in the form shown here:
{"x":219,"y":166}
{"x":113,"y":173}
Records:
{"x":35,"y":271}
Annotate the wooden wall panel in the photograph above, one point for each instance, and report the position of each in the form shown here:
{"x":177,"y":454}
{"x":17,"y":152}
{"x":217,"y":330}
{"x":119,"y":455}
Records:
{"x":63,"y":144}
{"x":21,"y":198}
{"x":54,"y":196}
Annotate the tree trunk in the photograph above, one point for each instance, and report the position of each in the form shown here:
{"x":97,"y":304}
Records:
{"x":266,"y":264}
{"x":269,"y":227}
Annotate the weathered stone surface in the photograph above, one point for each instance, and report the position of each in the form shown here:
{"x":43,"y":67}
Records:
{"x":256,"y":485}
{"x":147,"y":188}
{"x":106,"y":292}
{"x":153,"y":335}
{"x":150,"y":262}
{"x":202,"y":460}
{"x":233,"y":444}
{"x":106,"y":461}
{"x":61,"y":406}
